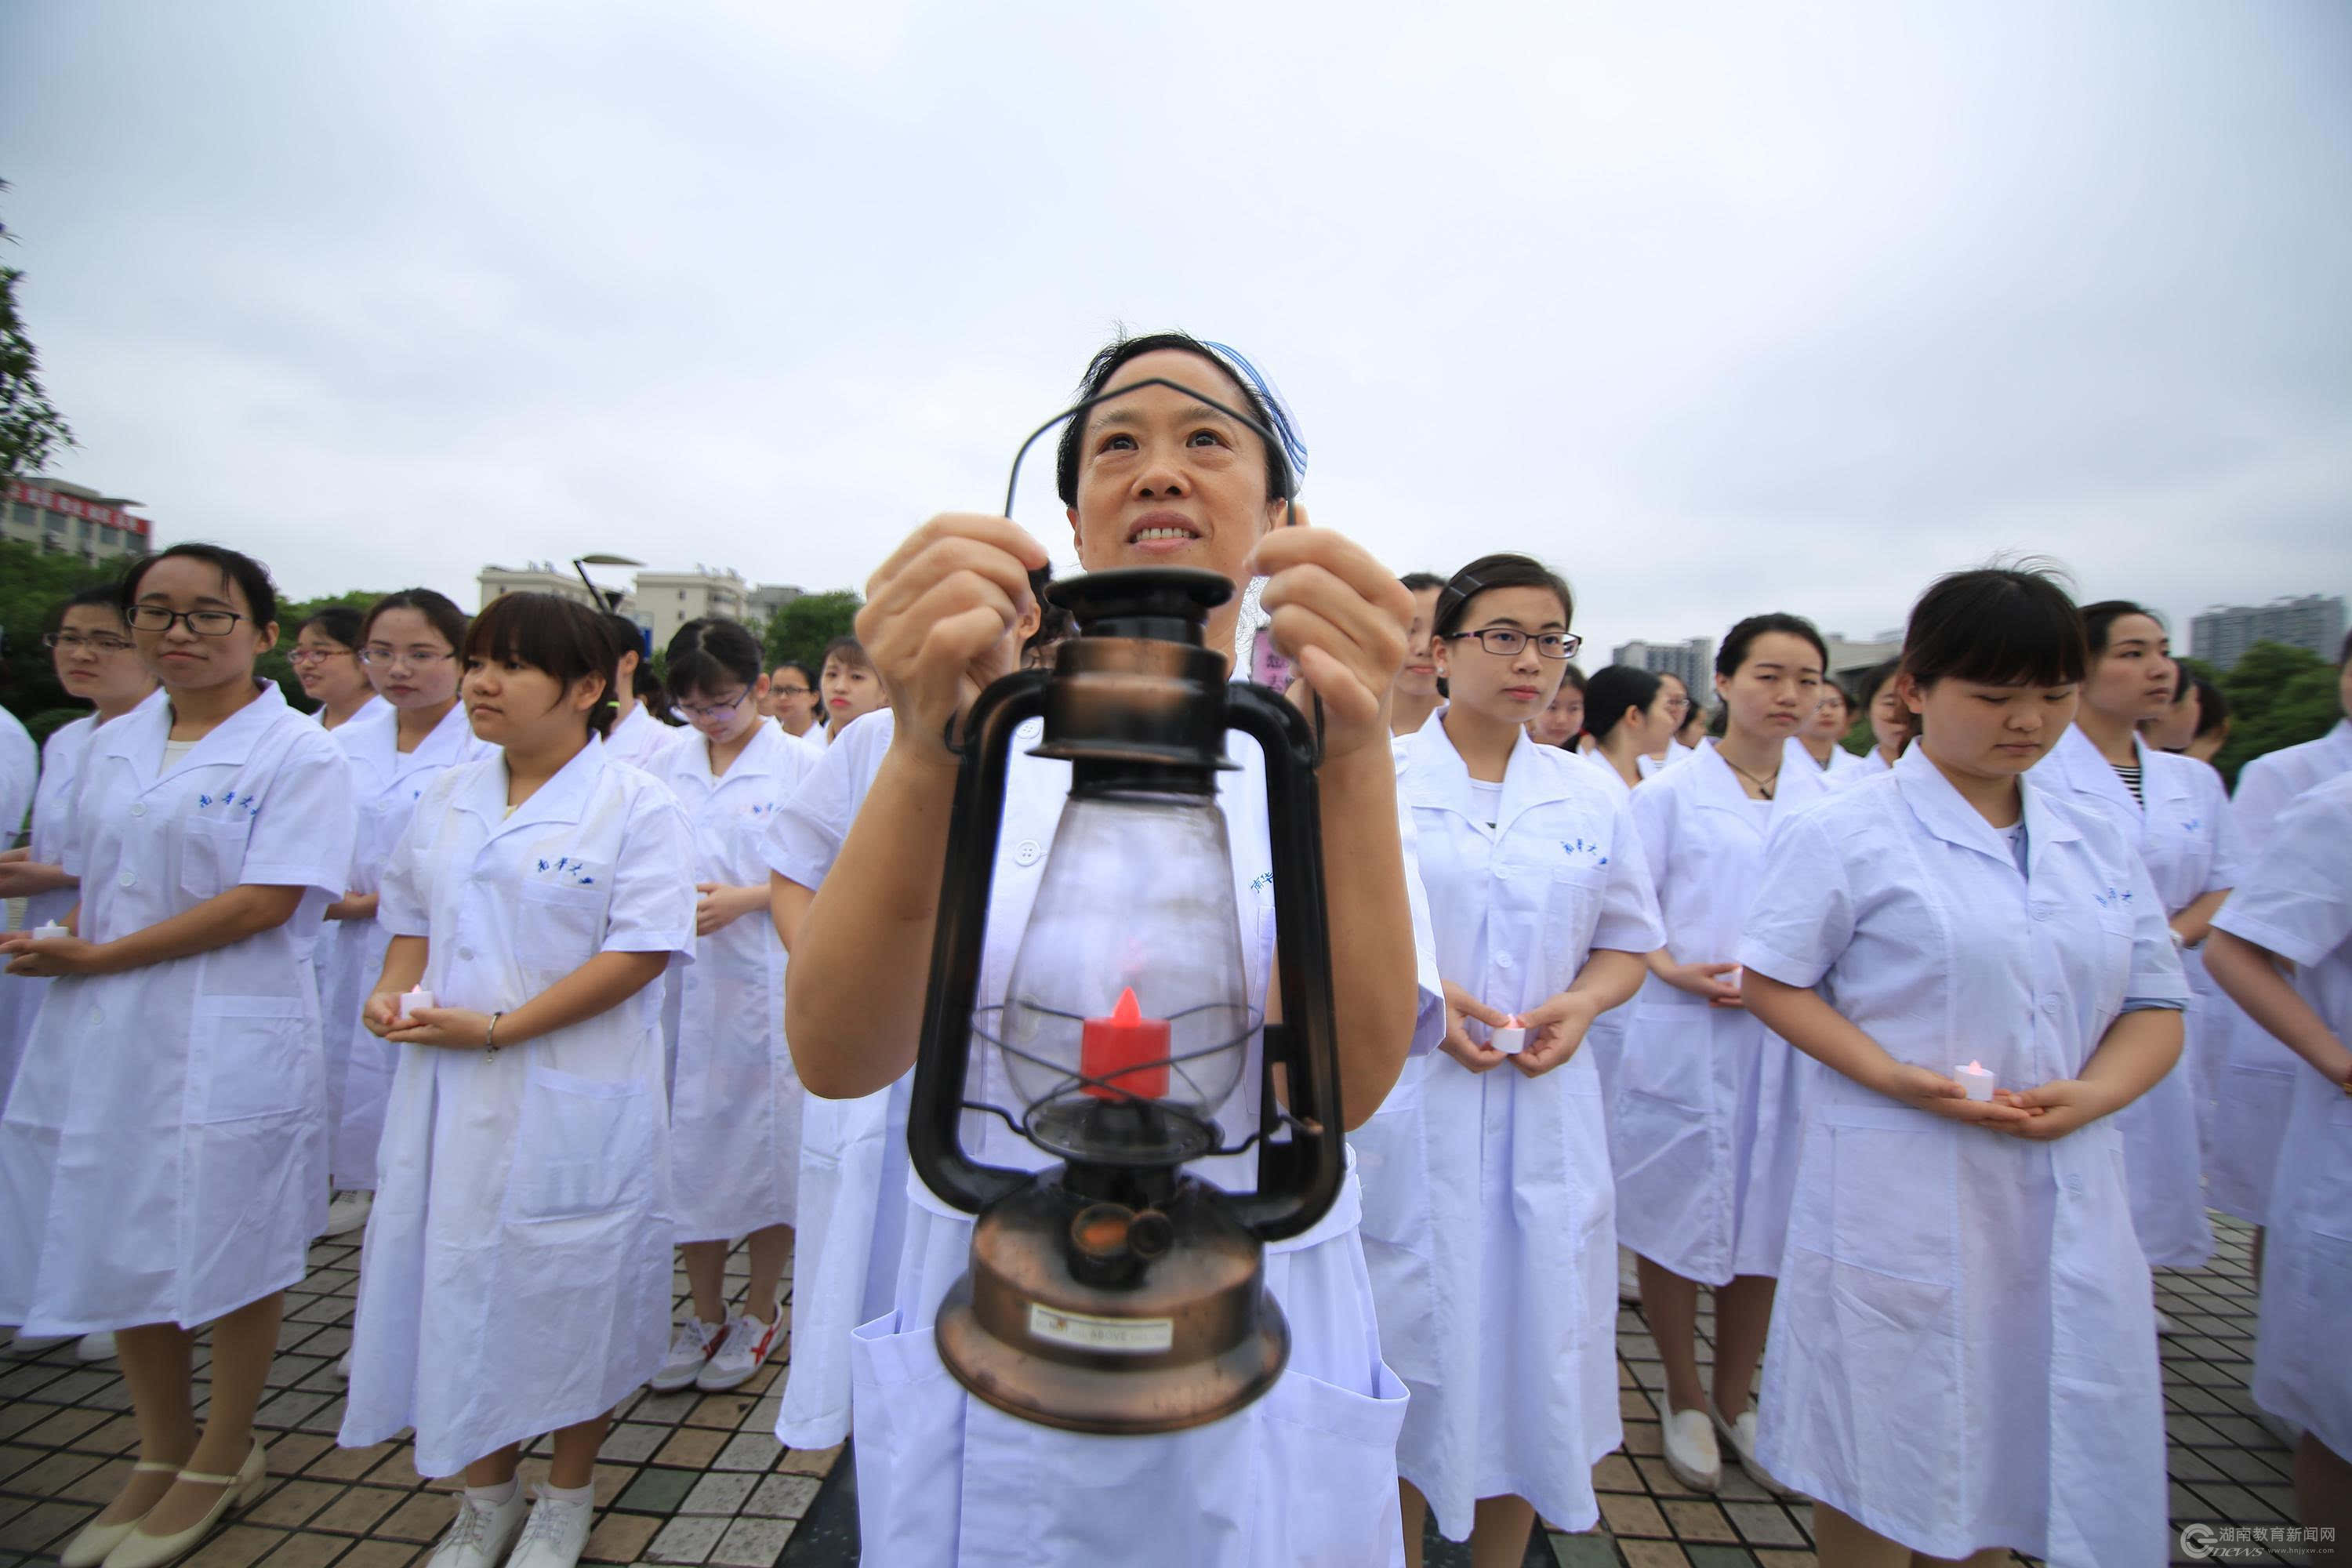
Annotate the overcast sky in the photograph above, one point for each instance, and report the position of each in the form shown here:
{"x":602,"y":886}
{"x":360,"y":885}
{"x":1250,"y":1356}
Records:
{"x":1718,"y":309}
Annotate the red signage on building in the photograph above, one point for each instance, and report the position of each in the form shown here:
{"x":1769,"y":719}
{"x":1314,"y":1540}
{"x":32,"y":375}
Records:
{"x":74,"y":506}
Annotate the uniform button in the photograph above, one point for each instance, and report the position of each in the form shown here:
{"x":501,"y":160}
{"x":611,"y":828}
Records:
{"x":2042,"y":912}
{"x":97,"y":1016}
{"x":1502,"y":961}
{"x":1026,"y":852}
{"x":2050,"y":1006}
{"x":466,"y":954}
{"x":138,"y":808}
{"x":129,"y":879}
{"x":2074,"y":1185}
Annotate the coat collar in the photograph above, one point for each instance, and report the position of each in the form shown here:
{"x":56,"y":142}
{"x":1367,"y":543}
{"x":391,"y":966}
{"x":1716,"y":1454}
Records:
{"x":1437,"y":777}
{"x":762,"y":755}
{"x":2074,"y":764}
{"x":146,"y":728}
{"x":560,"y":799}
{"x":1717,"y":787}
{"x":1942,"y":811}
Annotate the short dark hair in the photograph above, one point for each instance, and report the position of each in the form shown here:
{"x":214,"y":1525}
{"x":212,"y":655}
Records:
{"x":1414,"y":581}
{"x":1732,"y":652}
{"x":705,"y":652}
{"x":340,"y":622}
{"x":1106,"y":363}
{"x":794,"y":665}
{"x":250,"y":577}
{"x":1613,"y":690}
{"x":1491,"y":572}
{"x":1571,"y":677}
{"x":2212,"y":707}
{"x":851,"y":652}
{"x":1874,"y":680}
{"x":106,"y":594}
{"x":1995,"y":625}
{"x":2099,"y":620}
{"x":547,"y":631}
{"x":447,"y":621}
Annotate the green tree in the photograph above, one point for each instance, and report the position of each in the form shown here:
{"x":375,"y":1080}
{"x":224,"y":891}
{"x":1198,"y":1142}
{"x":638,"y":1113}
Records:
{"x":2279,"y":696}
{"x":799,"y":631}
{"x":31,"y":428}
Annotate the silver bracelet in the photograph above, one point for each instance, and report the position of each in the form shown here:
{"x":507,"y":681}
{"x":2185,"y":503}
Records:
{"x":490,"y":1038}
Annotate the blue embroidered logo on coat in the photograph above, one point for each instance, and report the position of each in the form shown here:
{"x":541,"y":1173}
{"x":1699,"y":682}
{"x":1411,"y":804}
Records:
{"x":1577,"y":849}
{"x":564,"y":868}
{"x":2116,"y":899}
{"x":230,"y":803}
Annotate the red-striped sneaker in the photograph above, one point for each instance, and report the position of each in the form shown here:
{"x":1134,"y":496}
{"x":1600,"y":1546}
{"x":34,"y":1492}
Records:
{"x":738,"y":1356}
{"x":689,"y":1353}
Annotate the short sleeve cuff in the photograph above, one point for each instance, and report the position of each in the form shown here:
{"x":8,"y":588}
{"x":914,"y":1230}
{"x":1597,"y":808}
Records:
{"x":1774,"y":965}
{"x":2295,"y":948}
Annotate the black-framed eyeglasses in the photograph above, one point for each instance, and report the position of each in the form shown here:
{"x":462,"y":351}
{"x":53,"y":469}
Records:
{"x":1509,"y":640}
{"x":204,"y":622}
{"x":714,"y":709}
{"x":377,"y":656}
{"x":791,"y":692}
{"x":70,"y":641}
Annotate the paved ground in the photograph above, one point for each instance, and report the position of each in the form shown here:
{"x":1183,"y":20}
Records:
{"x":690,"y":1479}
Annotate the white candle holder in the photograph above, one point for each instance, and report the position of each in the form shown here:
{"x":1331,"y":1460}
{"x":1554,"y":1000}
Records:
{"x":1976,"y":1078}
{"x":50,"y":930}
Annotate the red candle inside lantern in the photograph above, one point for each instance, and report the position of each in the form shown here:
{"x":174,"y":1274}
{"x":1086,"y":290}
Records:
{"x":1125,"y":1052}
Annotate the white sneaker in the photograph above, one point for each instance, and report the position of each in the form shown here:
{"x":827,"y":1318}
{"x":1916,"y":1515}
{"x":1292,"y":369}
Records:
{"x":689,"y":1352}
{"x":481,"y":1533}
{"x":1629,"y":1277}
{"x":348,"y":1213}
{"x":343,"y":1366}
{"x":738,"y":1356}
{"x":25,"y":1344}
{"x":1741,"y":1435}
{"x":99,"y":1346}
{"x":1691,"y":1452}
{"x":556,"y":1535}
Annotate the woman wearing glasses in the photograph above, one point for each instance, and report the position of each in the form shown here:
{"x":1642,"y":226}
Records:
{"x":326,"y":661}
{"x":97,"y":664}
{"x":735,"y":1102}
{"x":791,"y":702}
{"x":1487,"y":1199}
{"x":1705,"y":1104}
{"x":408,"y":645}
{"x":163,"y":1156}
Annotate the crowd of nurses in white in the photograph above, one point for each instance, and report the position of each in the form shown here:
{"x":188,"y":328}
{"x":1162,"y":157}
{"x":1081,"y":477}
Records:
{"x":1895,"y":1054}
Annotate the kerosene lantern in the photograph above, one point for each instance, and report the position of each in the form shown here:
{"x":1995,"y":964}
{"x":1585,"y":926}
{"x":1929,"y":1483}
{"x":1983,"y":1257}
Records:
{"x":1114,"y":1292}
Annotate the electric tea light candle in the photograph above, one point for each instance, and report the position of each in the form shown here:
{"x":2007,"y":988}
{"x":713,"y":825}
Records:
{"x":410,"y":1001}
{"x":1510,"y":1039}
{"x":1976,"y":1078}
{"x":51,"y":932}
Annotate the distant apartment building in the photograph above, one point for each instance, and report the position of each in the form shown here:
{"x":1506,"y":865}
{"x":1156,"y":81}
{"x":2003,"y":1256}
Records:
{"x":1692,"y":661}
{"x":2221,"y":636}
{"x":770,"y":597}
{"x":1849,"y":660}
{"x":665,"y":601}
{"x":61,"y":518}
{"x":540,"y":577}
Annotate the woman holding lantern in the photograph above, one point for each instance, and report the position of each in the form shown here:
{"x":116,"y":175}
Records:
{"x":1158,"y":478}
{"x":1487,"y":1212}
{"x":1962,"y":1354}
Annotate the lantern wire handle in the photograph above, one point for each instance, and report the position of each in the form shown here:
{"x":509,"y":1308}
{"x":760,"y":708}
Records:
{"x":1272,"y":446}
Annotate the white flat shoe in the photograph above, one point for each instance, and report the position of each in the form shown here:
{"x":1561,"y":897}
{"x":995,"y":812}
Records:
{"x":99,"y":1346}
{"x":1691,"y":1452}
{"x":88,"y":1548}
{"x":1741,"y":1435}
{"x":1629,"y":1277}
{"x":140,"y":1550}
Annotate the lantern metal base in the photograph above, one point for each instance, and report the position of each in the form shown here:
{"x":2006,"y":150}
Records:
{"x":1060,"y":1321}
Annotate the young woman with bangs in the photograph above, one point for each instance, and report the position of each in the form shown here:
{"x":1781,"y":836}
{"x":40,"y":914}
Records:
{"x":1962,"y":1357}
{"x":516,"y":1276}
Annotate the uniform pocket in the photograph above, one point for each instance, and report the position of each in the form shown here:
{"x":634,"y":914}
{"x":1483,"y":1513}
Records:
{"x":1327,"y":1459}
{"x":212,"y":855}
{"x":1893,"y":1199}
{"x":582,"y":1147}
{"x":253,"y":1055}
{"x":559,"y":928}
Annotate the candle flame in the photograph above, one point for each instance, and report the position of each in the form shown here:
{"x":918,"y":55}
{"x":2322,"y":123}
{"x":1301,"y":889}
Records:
{"x":1975,"y":1066}
{"x":1128,"y":1010}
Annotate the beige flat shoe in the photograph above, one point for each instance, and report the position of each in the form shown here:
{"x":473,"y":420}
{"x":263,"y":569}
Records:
{"x":88,"y":1548}
{"x":140,"y":1550}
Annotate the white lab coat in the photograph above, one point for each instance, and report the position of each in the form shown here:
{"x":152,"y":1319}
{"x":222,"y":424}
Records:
{"x":735,"y":1100}
{"x":387,"y":783}
{"x":1304,"y":1475}
{"x":640,"y":739}
{"x":163,"y":1157}
{"x":2296,"y":902}
{"x":1708,"y":1106}
{"x":852,"y":1201}
{"x":1651,"y":767}
{"x":1963,"y":1344}
{"x":1843,"y":768}
{"x":2256,"y":1083}
{"x":20,"y":767}
{"x":2184,"y":837}
{"x":53,"y":813}
{"x":1487,"y":1195}
{"x":517,"y":1272}
{"x":1605,"y":1041}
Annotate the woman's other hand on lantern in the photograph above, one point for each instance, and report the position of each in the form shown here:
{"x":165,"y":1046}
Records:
{"x":943,"y":617}
{"x":1343,"y":619}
